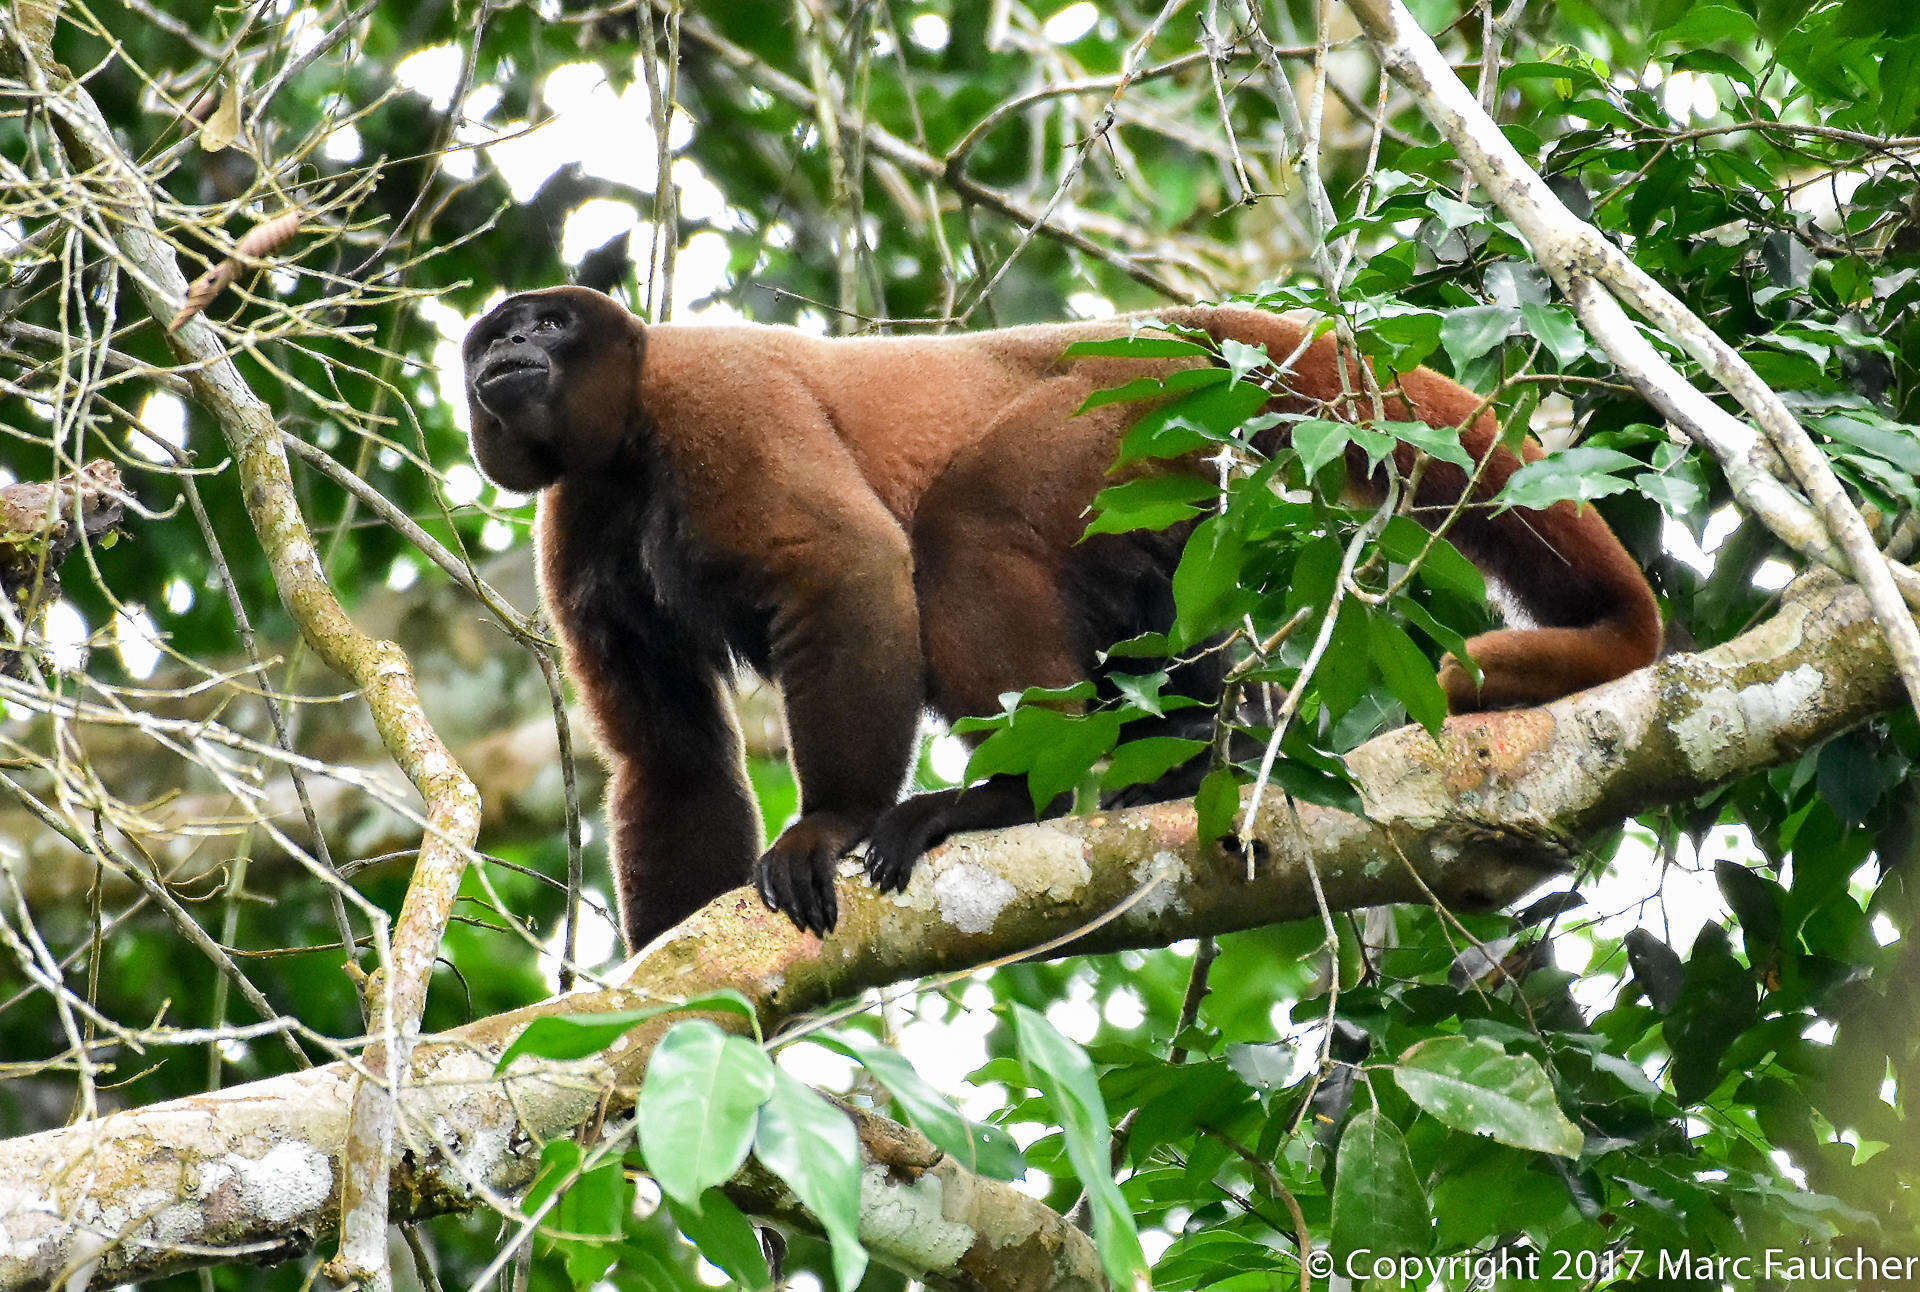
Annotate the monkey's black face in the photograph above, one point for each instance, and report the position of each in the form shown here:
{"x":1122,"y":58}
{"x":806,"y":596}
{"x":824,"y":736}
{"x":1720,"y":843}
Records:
{"x":551,"y":379}
{"x":514,"y":355}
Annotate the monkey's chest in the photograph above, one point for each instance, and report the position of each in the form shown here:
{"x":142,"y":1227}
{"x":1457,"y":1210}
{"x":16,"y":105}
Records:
{"x":642,"y":582}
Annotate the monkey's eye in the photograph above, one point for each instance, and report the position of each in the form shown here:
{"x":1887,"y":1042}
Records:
{"x":549,"y":323}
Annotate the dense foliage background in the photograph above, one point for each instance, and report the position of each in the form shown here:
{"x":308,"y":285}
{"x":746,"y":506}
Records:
{"x":1722,"y":1005}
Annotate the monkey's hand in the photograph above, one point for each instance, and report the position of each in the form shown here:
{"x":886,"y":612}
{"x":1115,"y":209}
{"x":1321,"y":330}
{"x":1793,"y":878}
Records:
{"x":795,"y":876}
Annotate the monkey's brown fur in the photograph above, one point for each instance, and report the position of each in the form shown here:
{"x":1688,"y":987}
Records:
{"x":888,"y":524}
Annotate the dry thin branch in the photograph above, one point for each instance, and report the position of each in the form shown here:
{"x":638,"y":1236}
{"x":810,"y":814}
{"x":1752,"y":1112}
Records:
{"x":397,"y":994}
{"x":915,"y":161}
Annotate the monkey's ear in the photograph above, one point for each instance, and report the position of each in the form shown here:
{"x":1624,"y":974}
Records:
{"x":509,"y":460}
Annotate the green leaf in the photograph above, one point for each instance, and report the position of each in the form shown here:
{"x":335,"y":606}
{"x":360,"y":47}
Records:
{"x":1143,"y":345}
{"x":1454,"y":214}
{"x":1206,"y":584}
{"x":1316,"y":571}
{"x":1442,"y":568}
{"x":595,"y":1206}
{"x":1898,"y":484}
{"x":1778,"y":18}
{"x":980,"y":1147}
{"x":1756,"y":900}
{"x":1063,"y":1073}
{"x":1708,"y":24}
{"x":1718,"y":1001}
{"x":1345,"y":672}
{"x":1678,"y":483}
{"x":1151,"y":502}
{"x":1318,"y":441}
{"x":1242,"y":359}
{"x":1313,"y":776}
{"x":1139,"y":646}
{"x":1581,"y":474}
{"x":1656,"y":969}
{"x":1153,"y":387}
{"x":1401,"y":336}
{"x":724,"y":1236}
{"x":1143,"y":761}
{"x":1447,"y":639}
{"x":1666,"y":183}
{"x":811,"y":1145}
{"x":1217,"y":803}
{"x":575,"y":1036}
{"x":1891,"y":442}
{"x":1573,"y":73}
{"x":1850,"y":777}
{"x":1473,"y":1085}
{"x":591,"y":1212}
{"x":1406,"y":671}
{"x":1473,"y":331}
{"x":1054,"y":750}
{"x":1142,"y":693}
{"x":1556,"y":326}
{"x":1378,"y":1204}
{"x":1213,"y":414}
{"x":1436,"y":442}
{"x":650,"y":1265}
{"x":1264,"y":1067}
{"x":559,"y":1159}
{"x":698,"y":1107}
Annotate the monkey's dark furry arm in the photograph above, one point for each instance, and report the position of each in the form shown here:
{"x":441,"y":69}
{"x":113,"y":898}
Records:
{"x":845,"y":647}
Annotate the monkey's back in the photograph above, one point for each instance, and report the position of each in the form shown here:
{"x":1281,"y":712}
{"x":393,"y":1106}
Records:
{"x":904,"y":406}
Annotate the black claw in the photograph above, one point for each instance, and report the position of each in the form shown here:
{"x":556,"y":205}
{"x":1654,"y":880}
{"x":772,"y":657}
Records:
{"x":790,"y":897}
{"x":890,"y":858}
{"x":829,"y":899}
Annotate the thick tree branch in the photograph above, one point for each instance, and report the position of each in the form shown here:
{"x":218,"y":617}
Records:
{"x":1479,"y":815}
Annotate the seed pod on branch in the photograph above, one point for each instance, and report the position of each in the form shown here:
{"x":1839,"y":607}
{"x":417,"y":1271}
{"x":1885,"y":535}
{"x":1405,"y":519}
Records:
{"x":259,"y":241}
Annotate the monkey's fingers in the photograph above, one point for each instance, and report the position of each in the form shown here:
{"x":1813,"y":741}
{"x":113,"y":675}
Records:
{"x":801,"y":864}
{"x":798,"y":883}
{"x":903,"y":833}
{"x":770,"y":878}
{"x":825,"y":901}
{"x":890,"y":861}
